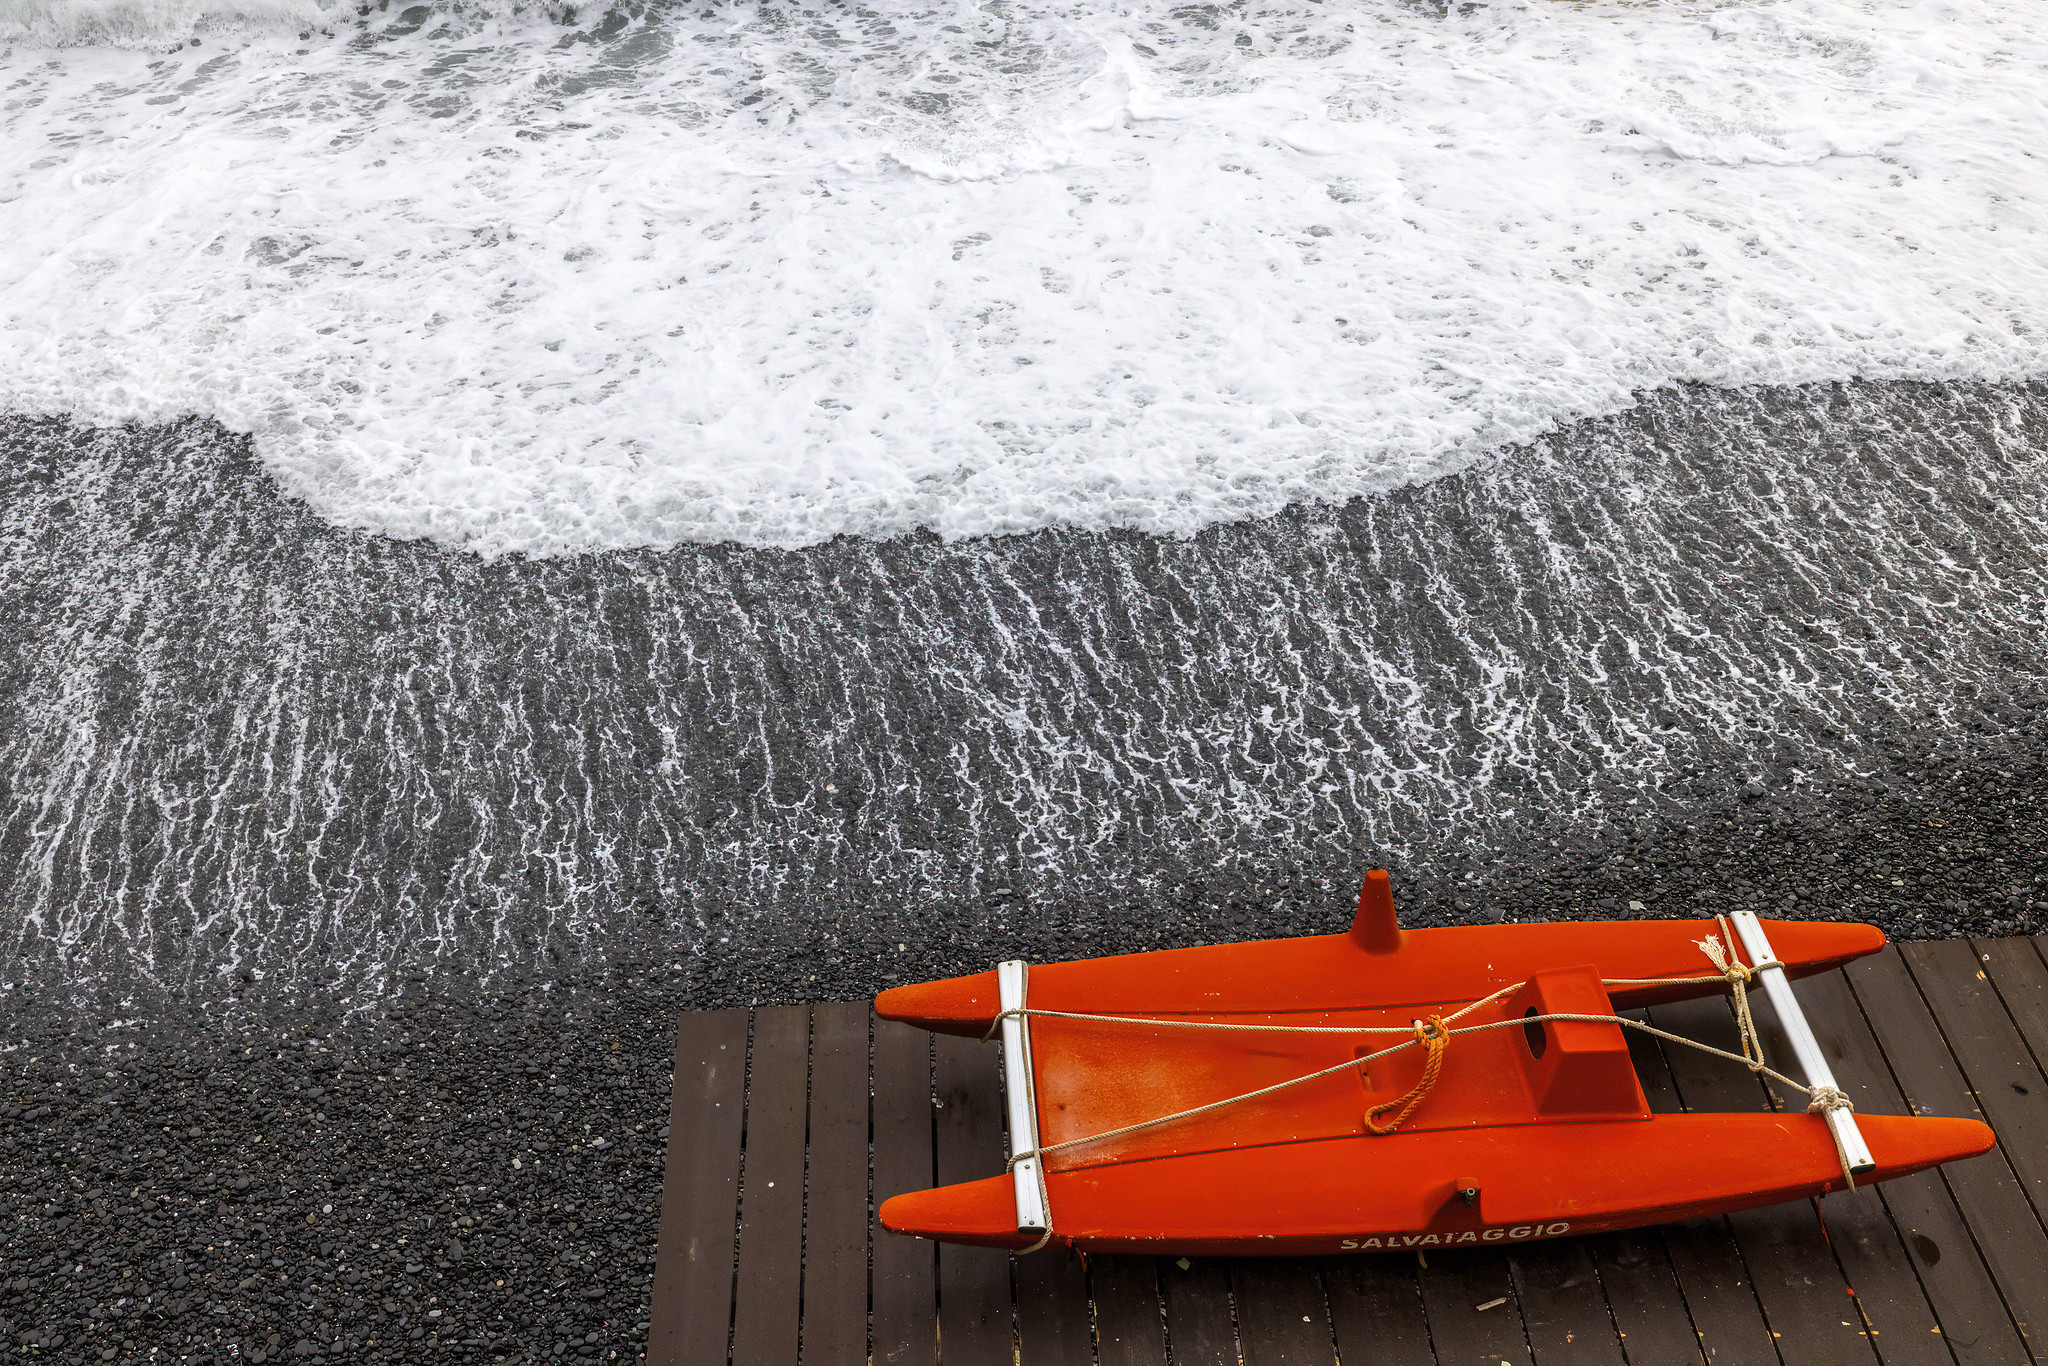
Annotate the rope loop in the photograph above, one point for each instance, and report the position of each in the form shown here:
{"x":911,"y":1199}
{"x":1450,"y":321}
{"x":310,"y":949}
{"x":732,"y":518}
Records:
{"x":1823,"y":1101}
{"x":1739,"y":975}
{"x":1434,"y":1037}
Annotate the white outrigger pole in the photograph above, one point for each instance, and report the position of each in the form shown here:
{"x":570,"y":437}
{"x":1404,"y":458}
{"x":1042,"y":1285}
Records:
{"x":1022,"y":1098}
{"x":1804,"y":1045}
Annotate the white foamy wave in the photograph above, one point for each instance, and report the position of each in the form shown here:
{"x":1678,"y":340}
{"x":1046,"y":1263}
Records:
{"x":773,"y":274}
{"x":149,"y":23}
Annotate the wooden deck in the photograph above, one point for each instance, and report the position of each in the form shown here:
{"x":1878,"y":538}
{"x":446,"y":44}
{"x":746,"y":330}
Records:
{"x":789,"y":1126}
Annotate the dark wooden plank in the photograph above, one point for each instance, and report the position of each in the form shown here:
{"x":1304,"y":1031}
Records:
{"x":1720,"y":1304}
{"x":1196,"y":1292}
{"x":1281,"y":1317}
{"x":1053,"y":1327}
{"x":2008,"y":1238}
{"x":975,"y":1320}
{"x":1376,"y":1311}
{"x":690,"y":1307}
{"x":1995,"y":1061}
{"x":1868,"y":1234}
{"x":1726,"y":1316}
{"x":2021,"y":980}
{"x":1564,"y":1306}
{"x":835,"y":1320}
{"x":1800,"y":1285}
{"x":1454,"y":1286}
{"x":1643,"y":1295}
{"x":1130,"y":1327}
{"x":769,"y":1285}
{"x":905,"y":1289}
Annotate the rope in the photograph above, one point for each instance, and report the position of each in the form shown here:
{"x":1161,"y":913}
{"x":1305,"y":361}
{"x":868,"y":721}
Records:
{"x":1823,"y":1101}
{"x":1199,"y":1110}
{"x":1738,"y":975}
{"x":1430,"y":1033}
{"x":1169,"y":1023}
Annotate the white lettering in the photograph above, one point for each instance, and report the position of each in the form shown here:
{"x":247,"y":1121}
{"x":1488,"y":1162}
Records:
{"x":1485,"y":1235}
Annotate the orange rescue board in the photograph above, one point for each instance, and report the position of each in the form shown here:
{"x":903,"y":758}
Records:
{"x":1529,"y":1132}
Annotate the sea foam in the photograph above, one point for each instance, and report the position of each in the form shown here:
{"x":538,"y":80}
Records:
{"x":539,"y":281}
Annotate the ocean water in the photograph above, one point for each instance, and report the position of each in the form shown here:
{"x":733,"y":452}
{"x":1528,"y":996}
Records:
{"x":551,"y":280}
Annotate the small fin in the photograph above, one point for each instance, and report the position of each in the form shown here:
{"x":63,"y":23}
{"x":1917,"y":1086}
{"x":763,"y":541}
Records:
{"x":1375,"y":928}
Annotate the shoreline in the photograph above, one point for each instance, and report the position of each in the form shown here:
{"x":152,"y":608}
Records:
{"x":245,"y":753}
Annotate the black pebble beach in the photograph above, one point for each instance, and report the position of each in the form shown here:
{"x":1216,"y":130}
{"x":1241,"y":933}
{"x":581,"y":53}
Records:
{"x":478,"y":1177}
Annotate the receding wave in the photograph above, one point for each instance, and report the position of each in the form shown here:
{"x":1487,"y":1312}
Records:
{"x":235,"y":739}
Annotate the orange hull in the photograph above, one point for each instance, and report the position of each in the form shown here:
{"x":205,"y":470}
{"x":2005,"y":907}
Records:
{"x":1335,"y":971}
{"x":1368,"y":1194}
{"x":1530,"y":1132}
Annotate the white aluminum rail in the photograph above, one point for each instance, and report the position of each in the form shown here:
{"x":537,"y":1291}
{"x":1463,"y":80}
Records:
{"x":1022,"y":1098}
{"x":1779,"y":988}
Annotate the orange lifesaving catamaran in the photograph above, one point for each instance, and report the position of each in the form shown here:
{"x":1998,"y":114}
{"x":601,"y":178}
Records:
{"x":1387,"y":1089}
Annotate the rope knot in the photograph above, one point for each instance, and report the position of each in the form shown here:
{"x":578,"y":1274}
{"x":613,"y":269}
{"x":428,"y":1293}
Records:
{"x":1016,"y":1013}
{"x":1432,"y":1035}
{"x":1739,"y":975}
{"x":1823,"y":1100}
{"x":1725,"y":962}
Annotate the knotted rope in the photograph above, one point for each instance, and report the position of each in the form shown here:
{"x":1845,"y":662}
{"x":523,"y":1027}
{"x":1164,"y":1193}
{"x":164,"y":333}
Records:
{"x":1739,"y":976}
{"x":1432,"y":1035}
{"x":1820,"y":1100}
{"x":1823,"y":1101}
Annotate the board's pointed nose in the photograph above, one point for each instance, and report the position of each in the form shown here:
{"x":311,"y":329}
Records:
{"x":1807,"y":947}
{"x":978,"y":1213}
{"x":1903,"y":1144}
{"x":956,"y":1005}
